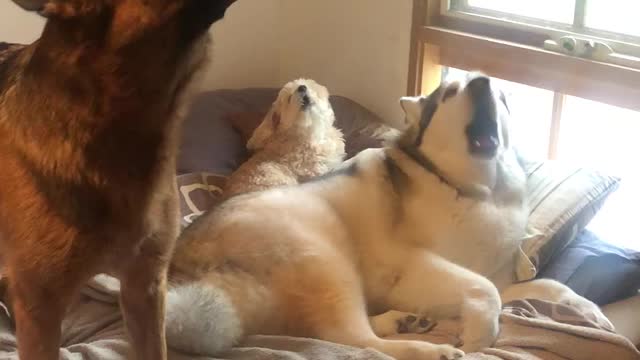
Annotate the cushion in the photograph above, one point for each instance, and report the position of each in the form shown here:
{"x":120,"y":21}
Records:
{"x":210,"y":144}
{"x":244,"y":123}
{"x":596,"y":269}
{"x":562,"y":199}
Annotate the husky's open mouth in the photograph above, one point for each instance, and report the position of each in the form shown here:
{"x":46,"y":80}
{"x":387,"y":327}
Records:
{"x":482,"y":132}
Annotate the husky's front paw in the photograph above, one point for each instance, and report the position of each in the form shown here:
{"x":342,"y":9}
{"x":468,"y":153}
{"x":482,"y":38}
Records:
{"x":398,"y":322}
{"x":417,"y":350}
{"x":427,"y":351}
{"x":448,"y":352}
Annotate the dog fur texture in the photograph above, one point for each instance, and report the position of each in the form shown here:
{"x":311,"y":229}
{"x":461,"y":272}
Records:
{"x":87,"y":144}
{"x":295,"y":142}
{"x":429,"y":226}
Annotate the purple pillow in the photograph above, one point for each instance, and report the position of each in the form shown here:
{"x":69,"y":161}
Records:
{"x":210,"y":144}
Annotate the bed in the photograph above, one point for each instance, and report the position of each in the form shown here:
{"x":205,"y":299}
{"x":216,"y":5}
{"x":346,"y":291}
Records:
{"x":557,"y":247}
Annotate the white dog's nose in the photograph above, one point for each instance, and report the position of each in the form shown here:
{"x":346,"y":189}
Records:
{"x":302,"y":88}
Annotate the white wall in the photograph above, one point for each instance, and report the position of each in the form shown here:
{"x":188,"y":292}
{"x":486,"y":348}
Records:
{"x":244,"y":52}
{"x":357,"y":48}
{"x":17,"y":25}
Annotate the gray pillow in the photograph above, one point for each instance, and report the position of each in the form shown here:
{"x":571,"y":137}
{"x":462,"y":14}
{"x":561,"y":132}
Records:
{"x":562,"y":198}
{"x":598,"y":270}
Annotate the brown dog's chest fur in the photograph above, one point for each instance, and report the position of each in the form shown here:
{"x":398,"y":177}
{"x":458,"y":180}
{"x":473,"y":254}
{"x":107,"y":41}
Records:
{"x":85,"y":153}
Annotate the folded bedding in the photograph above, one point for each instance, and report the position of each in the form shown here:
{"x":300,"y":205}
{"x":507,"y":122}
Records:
{"x":530,"y":329}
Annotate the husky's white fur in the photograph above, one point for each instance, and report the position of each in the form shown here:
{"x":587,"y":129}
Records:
{"x":429,"y":225}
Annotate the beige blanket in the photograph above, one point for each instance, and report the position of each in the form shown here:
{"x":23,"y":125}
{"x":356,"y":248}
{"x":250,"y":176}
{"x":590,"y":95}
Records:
{"x":534,"y":329}
{"x":530,"y":329}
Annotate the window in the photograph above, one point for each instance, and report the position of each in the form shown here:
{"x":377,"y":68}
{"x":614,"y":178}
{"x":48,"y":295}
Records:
{"x":583,"y":48}
{"x":600,"y":30}
{"x":562,"y":9}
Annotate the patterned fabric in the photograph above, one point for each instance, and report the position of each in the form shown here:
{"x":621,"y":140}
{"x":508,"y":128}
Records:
{"x":562,"y":200}
{"x":198,"y":193}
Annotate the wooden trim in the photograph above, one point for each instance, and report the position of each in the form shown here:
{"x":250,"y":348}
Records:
{"x":554,"y":129}
{"x":611,"y":84}
{"x":416,"y":54}
{"x":431,"y":69}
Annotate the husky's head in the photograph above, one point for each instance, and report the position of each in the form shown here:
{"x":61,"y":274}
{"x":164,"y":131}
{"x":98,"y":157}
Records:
{"x":461,"y":127}
{"x":302,"y":104}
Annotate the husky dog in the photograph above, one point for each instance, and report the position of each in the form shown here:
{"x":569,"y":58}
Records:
{"x":87,"y":147}
{"x":296,"y":141}
{"x":413,"y":229}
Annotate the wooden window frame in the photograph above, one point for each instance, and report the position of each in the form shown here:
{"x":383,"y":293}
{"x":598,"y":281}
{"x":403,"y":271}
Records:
{"x":510,"y":54}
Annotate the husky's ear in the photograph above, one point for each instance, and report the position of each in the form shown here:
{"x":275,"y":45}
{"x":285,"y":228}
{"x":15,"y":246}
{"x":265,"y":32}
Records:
{"x":412,"y":107}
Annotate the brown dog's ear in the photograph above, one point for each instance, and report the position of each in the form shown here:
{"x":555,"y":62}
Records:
{"x":61,"y":8}
{"x":31,"y":5}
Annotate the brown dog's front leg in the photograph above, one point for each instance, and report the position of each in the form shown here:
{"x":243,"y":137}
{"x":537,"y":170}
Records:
{"x":142,"y":298}
{"x":38,"y":313}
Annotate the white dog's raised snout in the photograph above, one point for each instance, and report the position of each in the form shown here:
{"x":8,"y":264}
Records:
{"x":303,"y":94}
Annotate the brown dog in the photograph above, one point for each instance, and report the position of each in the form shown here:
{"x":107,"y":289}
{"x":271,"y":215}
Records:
{"x":87,"y":156}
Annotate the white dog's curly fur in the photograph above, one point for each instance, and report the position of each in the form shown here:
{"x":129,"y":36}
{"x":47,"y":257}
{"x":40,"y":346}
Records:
{"x":295,"y":141}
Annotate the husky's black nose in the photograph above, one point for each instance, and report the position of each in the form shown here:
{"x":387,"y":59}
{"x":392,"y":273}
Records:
{"x":302,"y":88}
{"x":479,"y":85}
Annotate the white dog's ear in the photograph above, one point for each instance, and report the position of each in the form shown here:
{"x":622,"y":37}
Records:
{"x":264,"y":131}
{"x":412,"y":107}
